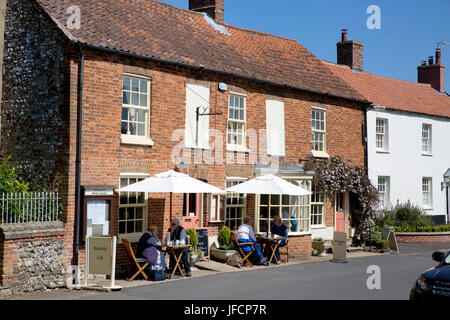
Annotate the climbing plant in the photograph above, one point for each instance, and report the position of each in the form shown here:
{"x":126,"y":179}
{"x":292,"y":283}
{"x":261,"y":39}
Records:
{"x":335,"y":176}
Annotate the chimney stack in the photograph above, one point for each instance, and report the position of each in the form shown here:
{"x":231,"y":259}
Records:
{"x":433,"y":73}
{"x":215,"y":9}
{"x":350,"y":52}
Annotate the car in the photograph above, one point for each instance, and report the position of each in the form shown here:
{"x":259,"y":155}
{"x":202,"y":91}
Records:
{"x":434,"y":283}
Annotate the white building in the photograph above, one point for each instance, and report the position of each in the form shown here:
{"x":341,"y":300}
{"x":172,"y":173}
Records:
{"x":408,"y":133}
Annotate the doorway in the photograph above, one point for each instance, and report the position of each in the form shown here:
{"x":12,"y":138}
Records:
{"x":192,"y":204}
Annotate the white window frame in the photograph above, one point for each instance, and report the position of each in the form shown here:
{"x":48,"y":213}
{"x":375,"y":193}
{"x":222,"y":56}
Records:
{"x":427,"y":192}
{"x":427,"y":139}
{"x":382,"y":137}
{"x":237,"y":147}
{"x":133,"y":237}
{"x":383,"y":188}
{"x":323,"y":132}
{"x":243,"y":206}
{"x":216,"y":205}
{"x":322,"y":204}
{"x":137,"y":139}
{"x":301,"y":204}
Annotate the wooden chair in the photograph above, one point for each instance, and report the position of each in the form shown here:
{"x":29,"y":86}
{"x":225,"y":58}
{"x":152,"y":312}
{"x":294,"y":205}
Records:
{"x":238,"y":245}
{"x":138,"y":263}
{"x":285,"y":250}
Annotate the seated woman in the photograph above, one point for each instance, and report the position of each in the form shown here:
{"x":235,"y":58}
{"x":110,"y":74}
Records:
{"x":280,"y":229}
{"x":245,"y":234}
{"x":149,"y":249}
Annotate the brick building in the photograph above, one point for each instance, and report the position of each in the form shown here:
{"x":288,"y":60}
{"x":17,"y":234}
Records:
{"x":136,"y":72}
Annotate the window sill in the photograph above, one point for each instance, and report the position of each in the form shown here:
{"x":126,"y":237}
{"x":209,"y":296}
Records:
{"x":198,"y":147}
{"x":132,"y":237}
{"x":320,"y":154}
{"x":294,"y":234}
{"x":126,"y":139}
{"x":237,"y":148}
{"x":383,"y":151}
{"x":427,"y":208}
{"x":318,"y":227}
{"x":427,"y":154}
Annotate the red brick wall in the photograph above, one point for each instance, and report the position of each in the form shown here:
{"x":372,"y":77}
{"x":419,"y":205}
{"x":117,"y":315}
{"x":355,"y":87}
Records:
{"x":423,"y":237}
{"x":102,"y":151}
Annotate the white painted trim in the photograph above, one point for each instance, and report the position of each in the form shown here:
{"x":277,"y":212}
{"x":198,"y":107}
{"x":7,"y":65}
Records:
{"x":320,"y":154}
{"x":137,"y":140}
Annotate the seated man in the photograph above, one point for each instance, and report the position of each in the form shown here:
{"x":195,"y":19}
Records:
{"x":245,"y":234}
{"x":149,"y":249}
{"x":177,"y":232}
{"x":280,"y":229}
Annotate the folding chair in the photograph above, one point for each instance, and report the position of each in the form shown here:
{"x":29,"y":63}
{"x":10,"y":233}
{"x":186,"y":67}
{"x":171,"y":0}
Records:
{"x":285,"y":250}
{"x":245,"y":256}
{"x":138,"y":263}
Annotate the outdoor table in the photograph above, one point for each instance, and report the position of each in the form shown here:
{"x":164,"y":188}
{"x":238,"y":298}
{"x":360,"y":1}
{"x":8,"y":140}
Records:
{"x":171,"y":249}
{"x":274,"y":242}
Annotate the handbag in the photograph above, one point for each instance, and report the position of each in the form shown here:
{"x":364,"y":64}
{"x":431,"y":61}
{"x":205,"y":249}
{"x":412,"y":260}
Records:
{"x":158,"y":275}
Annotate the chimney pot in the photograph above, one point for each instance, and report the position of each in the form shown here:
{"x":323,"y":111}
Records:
{"x":424,"y":62}
{"x":438,"y":55}
{"x":344,"y":35}
{"x":430,"y":60}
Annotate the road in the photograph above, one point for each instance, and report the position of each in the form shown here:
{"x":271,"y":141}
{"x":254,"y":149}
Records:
{"x":324,"y":280}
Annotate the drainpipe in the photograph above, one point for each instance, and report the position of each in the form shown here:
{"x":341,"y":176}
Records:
{"x":78,"y":158}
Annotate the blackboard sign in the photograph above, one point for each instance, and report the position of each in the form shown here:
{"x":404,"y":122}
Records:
{"x":203,"y":244}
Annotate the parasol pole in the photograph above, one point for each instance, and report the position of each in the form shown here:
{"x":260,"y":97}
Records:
{"x":268,"y":216}
{"x":170,"y":207}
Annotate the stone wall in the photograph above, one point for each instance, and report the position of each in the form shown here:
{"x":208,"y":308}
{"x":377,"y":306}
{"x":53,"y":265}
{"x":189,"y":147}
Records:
{"x":31,"y":257}
{"x":32,"y":92}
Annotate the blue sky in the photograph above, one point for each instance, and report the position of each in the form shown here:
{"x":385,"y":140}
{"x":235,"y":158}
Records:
{"x":410,"y":30}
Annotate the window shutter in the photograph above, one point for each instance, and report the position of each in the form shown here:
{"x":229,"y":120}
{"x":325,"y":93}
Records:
{"x":196,"y":96}
{"x":275,"y":127}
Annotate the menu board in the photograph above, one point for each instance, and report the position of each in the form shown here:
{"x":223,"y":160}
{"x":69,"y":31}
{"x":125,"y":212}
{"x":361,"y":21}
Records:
{"x":203,"y":244}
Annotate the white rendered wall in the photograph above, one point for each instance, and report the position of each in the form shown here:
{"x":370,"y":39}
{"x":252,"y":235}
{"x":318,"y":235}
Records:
{"x":404,"y":163}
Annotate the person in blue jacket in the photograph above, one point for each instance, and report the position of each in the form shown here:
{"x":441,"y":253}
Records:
{"x":280,"y":229}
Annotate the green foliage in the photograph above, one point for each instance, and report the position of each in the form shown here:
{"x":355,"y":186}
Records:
{"x":382,"y":244}
{"x":224,"y":238}
{"x":9,"y":181}
{"x":317,"y":240}
{"x":404,"y":216}
{"x":193,"y":238}
{"x":376,"y":235}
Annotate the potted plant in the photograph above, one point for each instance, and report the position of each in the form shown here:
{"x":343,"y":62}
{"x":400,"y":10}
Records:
{"x":225,"y":249}
{"x":318,"y":244}
{"x":195,"y":255}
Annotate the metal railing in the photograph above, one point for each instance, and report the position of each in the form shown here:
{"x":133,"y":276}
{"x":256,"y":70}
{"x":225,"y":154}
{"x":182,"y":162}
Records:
{"x":17,"y":207}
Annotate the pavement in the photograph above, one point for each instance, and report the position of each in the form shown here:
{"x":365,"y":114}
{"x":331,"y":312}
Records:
{"x":311,"y":278}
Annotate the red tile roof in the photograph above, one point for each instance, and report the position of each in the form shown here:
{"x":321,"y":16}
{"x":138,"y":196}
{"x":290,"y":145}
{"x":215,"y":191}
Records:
{"x":156,"y":30}
{"x":393,"y":93}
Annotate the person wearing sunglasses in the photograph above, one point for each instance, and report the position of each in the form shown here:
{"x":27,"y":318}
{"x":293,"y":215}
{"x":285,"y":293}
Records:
{"x":177,"y":232}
